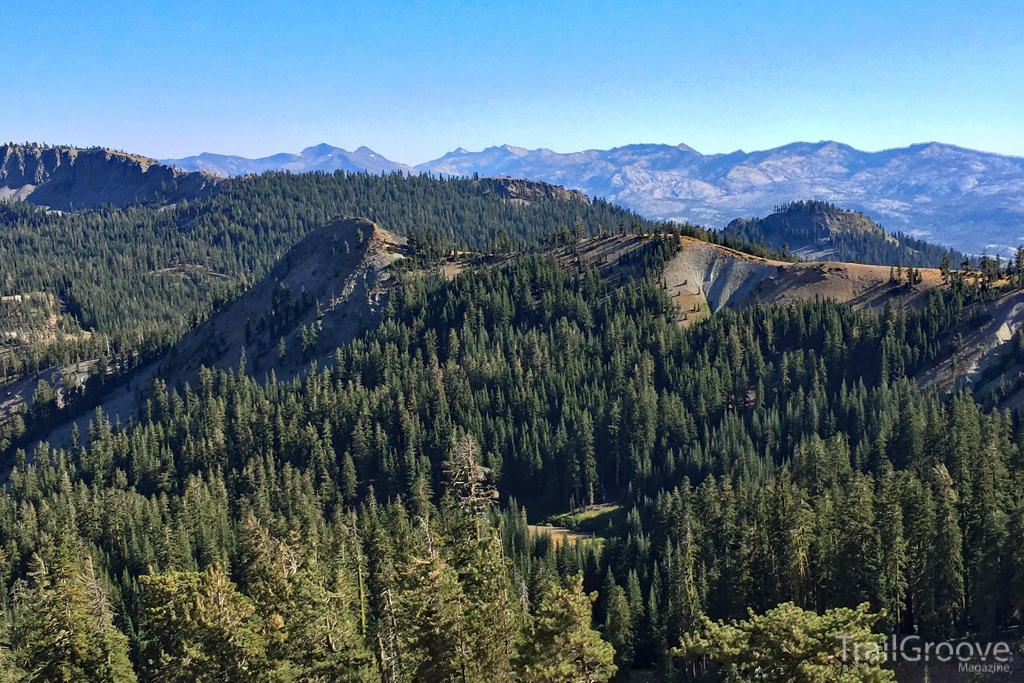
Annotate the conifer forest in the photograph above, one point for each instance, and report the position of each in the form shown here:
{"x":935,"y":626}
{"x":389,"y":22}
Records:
{"x":527,"y":471}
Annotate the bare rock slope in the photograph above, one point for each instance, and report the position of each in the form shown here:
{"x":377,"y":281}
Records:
{"x":703,"y":278}
{"x":327,"y":289}
{"x":725,"y":277}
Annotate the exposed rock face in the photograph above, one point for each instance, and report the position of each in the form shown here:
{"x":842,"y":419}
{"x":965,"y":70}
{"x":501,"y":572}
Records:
{"x":526,"y":191}
{"x":67,"y":178}
{"x":723,"y":277}
{"x":702,"y":278}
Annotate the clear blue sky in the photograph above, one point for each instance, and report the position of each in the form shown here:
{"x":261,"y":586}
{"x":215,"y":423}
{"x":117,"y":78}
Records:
{"x":416,"y":79}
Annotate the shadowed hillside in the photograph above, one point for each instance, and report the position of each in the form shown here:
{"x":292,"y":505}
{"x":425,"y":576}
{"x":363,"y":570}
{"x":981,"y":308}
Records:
{"x":66,"y":178}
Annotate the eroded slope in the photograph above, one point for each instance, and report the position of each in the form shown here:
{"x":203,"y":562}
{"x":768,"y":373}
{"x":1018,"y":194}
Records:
{"x":725,"y":277}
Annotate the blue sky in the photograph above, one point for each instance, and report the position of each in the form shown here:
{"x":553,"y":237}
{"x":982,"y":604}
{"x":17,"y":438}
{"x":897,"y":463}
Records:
{"x":416,"y":79}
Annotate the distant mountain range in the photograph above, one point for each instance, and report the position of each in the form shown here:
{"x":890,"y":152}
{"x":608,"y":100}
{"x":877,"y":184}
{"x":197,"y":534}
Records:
{"x":317,"y":158}
{"x":949,"y":195}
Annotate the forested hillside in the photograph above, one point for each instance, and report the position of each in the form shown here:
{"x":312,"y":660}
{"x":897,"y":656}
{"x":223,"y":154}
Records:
{"x":140,"y":277}
{"x":341,"y":528}
{"x":818,"y":231}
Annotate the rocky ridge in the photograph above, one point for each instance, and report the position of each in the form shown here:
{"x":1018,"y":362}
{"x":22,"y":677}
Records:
{"x":328,"y":288}
{"x":68,"y":178}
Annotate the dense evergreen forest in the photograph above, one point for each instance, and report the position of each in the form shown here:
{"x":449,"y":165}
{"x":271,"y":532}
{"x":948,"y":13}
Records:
{"x":140,"y":277}
{"x":369,"y":522}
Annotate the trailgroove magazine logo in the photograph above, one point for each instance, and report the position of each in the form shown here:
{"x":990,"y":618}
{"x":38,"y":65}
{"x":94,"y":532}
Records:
{"x":971,"y":656}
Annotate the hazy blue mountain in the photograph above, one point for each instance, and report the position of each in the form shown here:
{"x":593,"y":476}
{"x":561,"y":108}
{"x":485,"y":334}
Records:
{"x":948,"y":195}
{"x":317,"y":158}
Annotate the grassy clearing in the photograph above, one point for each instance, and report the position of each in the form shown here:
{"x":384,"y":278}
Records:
{"x":558,"y":534}
{"x":593,"y":519}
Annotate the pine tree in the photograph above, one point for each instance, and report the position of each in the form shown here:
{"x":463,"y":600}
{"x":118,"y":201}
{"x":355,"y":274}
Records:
{"x":431,"y":618}
{"x":637,"y":612}
{"x":889,"y":518}
{"x":197,"y":626}
{"x":964,"y":441}
{"x":63,"y":626}
{"x":466,"y":478}
{"x":947,"y":557}
{"x":617,"y":627}
{"x":788,"y":645}
{"x":491,"y":620}
{"x":1016,"y":549}
{"x":349,"y":480}
{"x":920,"y":529}
{"x":9,"y":670}
{"x":307,"y":610}
{"x":988,"y":574}
{"x":858,"y":570}
{"x":562,"y":648}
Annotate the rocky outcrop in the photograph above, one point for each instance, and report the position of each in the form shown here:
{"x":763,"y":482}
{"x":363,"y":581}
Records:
{"x":68,"y":178}
{"x":527,"y":191}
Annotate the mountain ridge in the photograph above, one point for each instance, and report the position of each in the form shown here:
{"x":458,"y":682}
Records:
{"x":327,"y":288}
{"x":817,"y":230}
{"x":951,"y":195}
{"x":66,"y":178}
{"x":322,"y":157}
{"x":947,"y":194}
